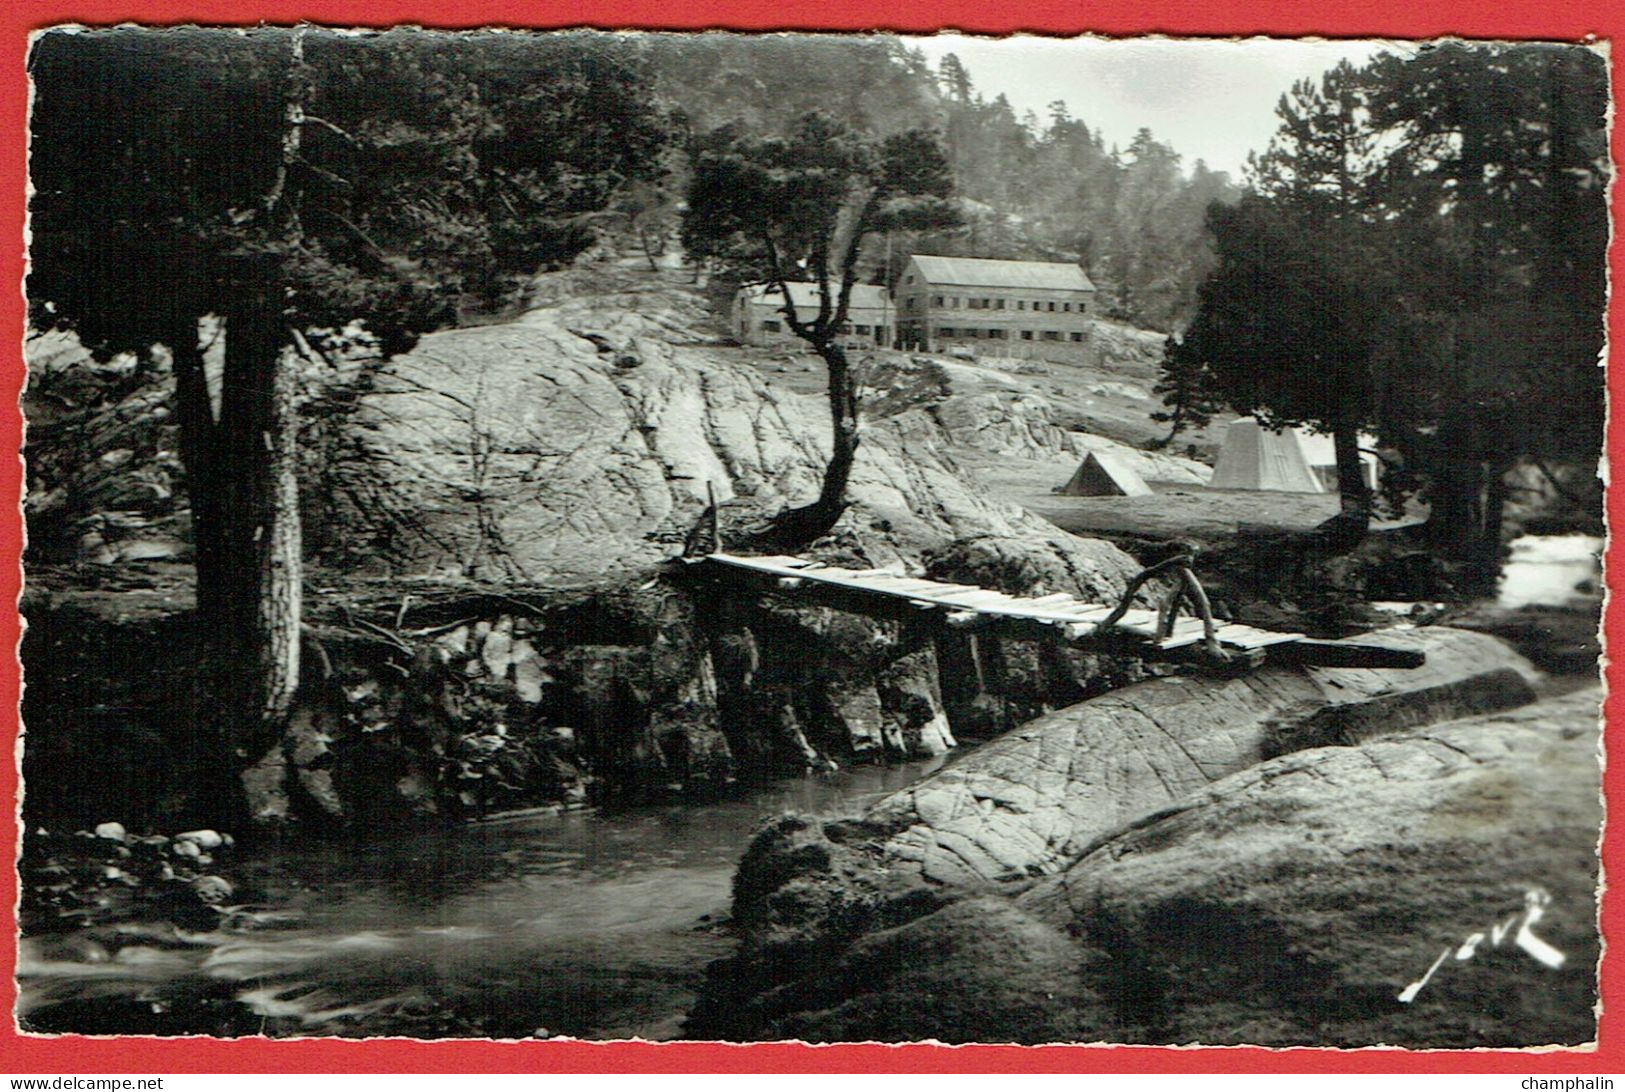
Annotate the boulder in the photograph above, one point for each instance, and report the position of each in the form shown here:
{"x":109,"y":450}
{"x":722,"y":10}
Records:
{"x":1298,"y":902}
{"x":1030,"y":803}
{"x":1030,"y":800}
{"x":1428,"y":889}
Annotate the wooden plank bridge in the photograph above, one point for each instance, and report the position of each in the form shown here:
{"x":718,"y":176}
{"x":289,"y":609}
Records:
{"x":889,"y":594}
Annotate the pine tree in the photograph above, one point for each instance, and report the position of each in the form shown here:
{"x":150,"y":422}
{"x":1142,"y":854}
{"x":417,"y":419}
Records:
{"x":778,"y":211}
{"x":1187,"y":389}
{"x":288,"y":184}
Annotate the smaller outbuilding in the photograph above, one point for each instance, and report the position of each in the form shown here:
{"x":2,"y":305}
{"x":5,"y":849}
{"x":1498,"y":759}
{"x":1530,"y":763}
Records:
{"x":758,"y":315}
{"x":1104,"y":476}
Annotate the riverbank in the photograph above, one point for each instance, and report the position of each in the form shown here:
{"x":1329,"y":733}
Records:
{"x":595,"y":925}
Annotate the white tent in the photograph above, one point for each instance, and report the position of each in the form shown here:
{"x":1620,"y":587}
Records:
{"x":1104,"y":476}
{"x":1321,"y":455}
{"x":1253,"y":457}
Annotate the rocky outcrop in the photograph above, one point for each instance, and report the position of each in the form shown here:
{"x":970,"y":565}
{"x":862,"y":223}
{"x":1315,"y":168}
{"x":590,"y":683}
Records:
{"x":576,"y":441}
{"x":984,"y":409}
{"x":1435,"y":889}
{"x":1035,"y":801}
{"x":1298,"y":901}
{"x":582,"y":438}
{"x":103,"y":463}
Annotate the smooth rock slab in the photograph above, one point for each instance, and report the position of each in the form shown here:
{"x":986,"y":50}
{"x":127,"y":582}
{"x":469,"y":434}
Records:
{"x":1026,"y":806}
{"x":1290,"y":904}
{"x":1027,"y":802}
{"x":1295,"y":902}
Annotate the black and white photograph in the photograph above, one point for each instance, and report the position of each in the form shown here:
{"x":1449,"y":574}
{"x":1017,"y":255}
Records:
{"x":609,"y":535}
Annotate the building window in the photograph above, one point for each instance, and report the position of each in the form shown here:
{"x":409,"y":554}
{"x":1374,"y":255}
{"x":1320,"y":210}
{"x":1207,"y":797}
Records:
{"x":1026,"y":335}
{"x":846,"y":327}
{"x":1052,"y":335}
{"x":862,"y":328}
{"x":1052,"y":305}
{"x":974,"y":305}
{"x":1066,"y":307}
{"x":909,"y":279}
{"x":936,"y":301}
{"x":998,"y":304}
{"x":770,"y":326}
{"x":1076,"y":336}
{"x":1082,"y":308}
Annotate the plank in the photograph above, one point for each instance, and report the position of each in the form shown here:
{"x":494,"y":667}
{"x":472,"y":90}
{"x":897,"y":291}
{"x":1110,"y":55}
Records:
{"x":887,"y":592}
{"x":1316,"y":653}
{"x":917,"y":587}
{"x":977,"y":597}
{"x":1248,"y":637}
{"x":1180,"y":640}
{"x":749,"y":562}
{"x":913,"y":586}
{"x":1056,"y":600}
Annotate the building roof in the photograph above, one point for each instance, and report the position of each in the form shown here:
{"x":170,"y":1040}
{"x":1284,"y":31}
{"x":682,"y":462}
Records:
{"x":804,"y":294}
{"x":995,"y":273}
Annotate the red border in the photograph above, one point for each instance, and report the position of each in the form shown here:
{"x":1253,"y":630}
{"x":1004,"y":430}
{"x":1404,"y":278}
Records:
{"x":1572,"y":20}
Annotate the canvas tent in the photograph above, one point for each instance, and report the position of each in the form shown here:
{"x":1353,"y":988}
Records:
{"x":1254,"y":457}
{"x":1104,"y":476}
{"x":1320,"y":454}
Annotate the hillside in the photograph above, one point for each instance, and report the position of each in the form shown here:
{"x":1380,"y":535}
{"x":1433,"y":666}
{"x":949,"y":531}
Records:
{"x":580,"y":438}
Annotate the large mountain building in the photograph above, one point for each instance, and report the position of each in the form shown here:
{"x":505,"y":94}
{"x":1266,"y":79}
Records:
{"x":993,"y":307}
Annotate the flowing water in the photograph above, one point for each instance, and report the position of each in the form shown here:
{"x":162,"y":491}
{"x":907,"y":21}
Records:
{"x":592,"y":924}
{"x":1548,"y":570}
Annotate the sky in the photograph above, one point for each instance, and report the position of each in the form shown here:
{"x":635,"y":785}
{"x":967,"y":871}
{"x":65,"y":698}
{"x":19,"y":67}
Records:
{"x":1210,"y":100}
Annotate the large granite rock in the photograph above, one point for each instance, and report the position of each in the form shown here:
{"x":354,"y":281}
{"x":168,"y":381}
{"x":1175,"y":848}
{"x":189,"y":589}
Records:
{"x":1296,"y":902}
{"x":1300,"y":901}
{"x":529,"y":451}
{"x":991,"y":410}
{"x":1033,"y":799}
{"x":1048,"y":794}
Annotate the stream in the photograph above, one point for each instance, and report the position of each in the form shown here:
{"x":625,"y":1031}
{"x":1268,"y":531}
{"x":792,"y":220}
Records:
{"x":1549,"y":570}
{"x":590,"y":924}
{"x":595,"y":925}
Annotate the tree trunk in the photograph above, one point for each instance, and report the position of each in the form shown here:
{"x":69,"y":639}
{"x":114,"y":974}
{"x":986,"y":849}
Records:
{"x":1346,"y":530}
{"x":800,"y":526}
{"x":843,"y":411}
{"x":264,"y":571}
{"x":1485,"y":549}
{"x":242,"y":480}
{"x":1452,"y":495}
{"x":1354,"y":496}
{"x":200,"y":455}
{"x":1467,"y":502}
